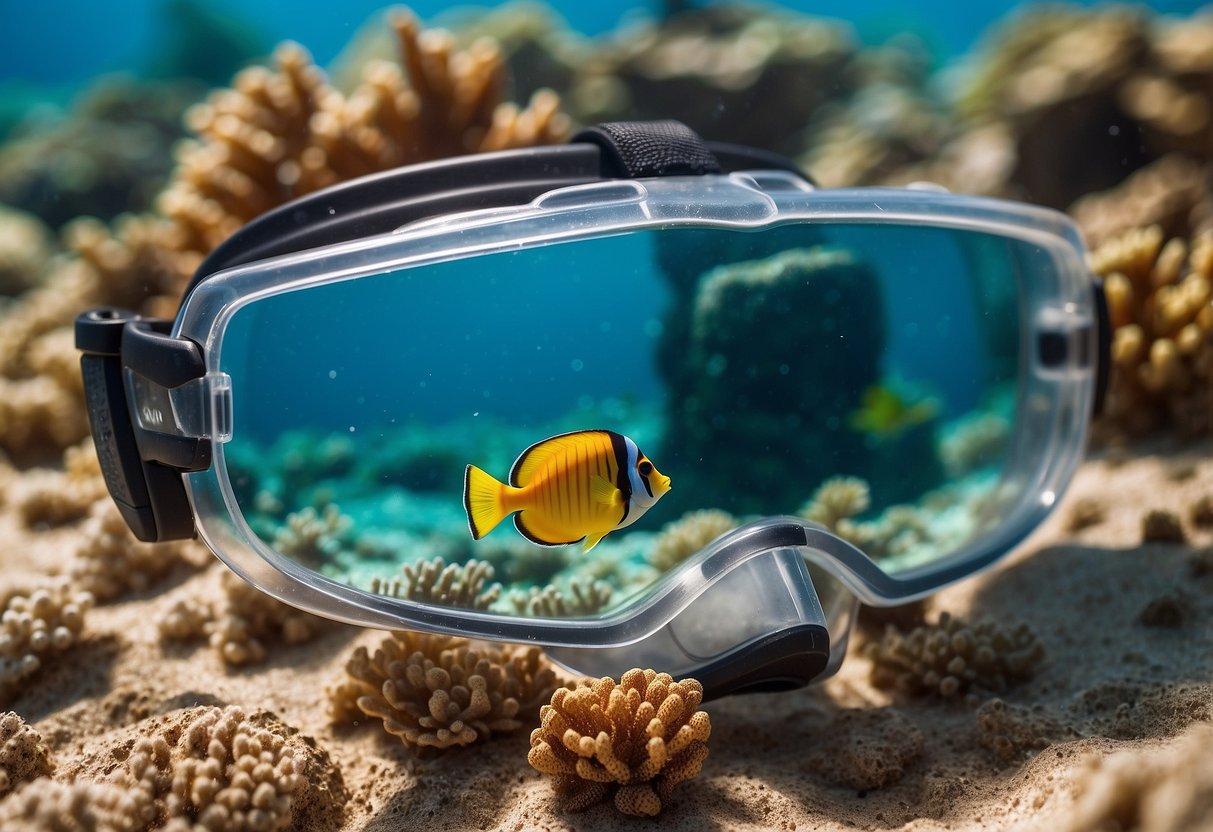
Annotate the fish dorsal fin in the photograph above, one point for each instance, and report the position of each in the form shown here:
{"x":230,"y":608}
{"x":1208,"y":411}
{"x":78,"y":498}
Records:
{"x":535,"y":457}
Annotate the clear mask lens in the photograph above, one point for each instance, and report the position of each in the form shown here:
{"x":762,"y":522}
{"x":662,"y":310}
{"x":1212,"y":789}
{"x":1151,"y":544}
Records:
{"x":864,"y":376}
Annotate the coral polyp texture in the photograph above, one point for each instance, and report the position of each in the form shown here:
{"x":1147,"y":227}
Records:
{"x":204,"y":770}
{"x":436,"y":691}
{"x":110,"y":561}
{"x":436,"y":582}
{"x":37,"y":625}
{"x":23,"y":754}
{"x":953,"y":658}
{"x":1160,"y":302}
{"x":638,"y":738}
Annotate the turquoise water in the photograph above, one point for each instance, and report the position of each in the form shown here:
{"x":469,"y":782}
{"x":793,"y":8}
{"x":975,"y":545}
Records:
{"x":751,"y":367}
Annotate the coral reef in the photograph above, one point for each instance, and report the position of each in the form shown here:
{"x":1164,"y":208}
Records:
{"x":836,"y":501}
{"x":687,"y":535}
{"x":639,"y":738}
{"x":1165,"y":791}
{"x":435,"y":582}
{"x":974,"y":443}
{"x":279,"y":133}
{"x":953,"y":658}
{"x":553,"y":602}
{"x":36,"y":625}
{"x":26,"y":248}
{"x":23,"y":754}
{"x":1160,"y":301}
{"x":311,"y":537}
{"x":438,"y":691}
{"x":865,"y":749}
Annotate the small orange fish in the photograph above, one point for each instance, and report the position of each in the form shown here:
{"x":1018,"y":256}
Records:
{"x":572,"y":487}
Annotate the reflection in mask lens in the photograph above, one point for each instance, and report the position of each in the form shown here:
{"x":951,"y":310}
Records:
{"x":665,"y":386}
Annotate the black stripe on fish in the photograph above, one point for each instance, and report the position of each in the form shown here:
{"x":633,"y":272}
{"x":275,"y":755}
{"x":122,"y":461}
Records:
{"x":622,"y":481}
{"x":645,"y":481}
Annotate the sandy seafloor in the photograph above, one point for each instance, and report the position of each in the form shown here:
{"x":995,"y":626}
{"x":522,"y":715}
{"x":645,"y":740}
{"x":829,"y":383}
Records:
{"x":1109,"y":680}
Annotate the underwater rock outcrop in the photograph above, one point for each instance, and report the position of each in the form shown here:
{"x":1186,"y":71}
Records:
{"x":637,"y":740}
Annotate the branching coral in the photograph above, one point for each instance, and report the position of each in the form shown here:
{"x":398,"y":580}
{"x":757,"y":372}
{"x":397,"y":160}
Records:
{"x":1164,"y":791}
{"x":552,"y":602}
{"x":1160,"y":301}
{"x":953,"y":657}
{"x":35,"y":626}
{"x":836,"y":501}
{"x":438,"y":691}
{"x":640,"y":737}
{"x":280,"y":132}
{"x":688,"y":535}
{"x":23,"y":754}
{"x":434,"y":582}
{"x":310,"y":537}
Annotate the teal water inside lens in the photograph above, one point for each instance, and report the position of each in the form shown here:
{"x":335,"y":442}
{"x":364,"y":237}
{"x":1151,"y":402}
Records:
{"x":864,"y":376}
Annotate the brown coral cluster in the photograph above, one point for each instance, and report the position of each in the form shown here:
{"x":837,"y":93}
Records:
{"x":280,"y":132}
{"x":436,"y":582}
{"x":952,"y":657}
{"x":639,"y":738}
{"x":575,"y":599}
{"x":438,"y":691}
{"x":1160,"y":302}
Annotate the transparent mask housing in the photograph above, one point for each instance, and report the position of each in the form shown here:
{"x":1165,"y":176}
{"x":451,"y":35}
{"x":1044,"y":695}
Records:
{"x":907,"y":370}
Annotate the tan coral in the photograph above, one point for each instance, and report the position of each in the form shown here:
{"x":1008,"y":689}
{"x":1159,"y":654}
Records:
{"x":639,"y":738}
{"x":36,"y":625}
{"x":25,"y":250}
{"x":47,"y":805}
{"x":248,"y":618}
{"x":311,"y":537}
{"x":953,"y":657}
{"x":109,"y":561}
{"x":279,"y":133}
{"x":436,"y":582}
{"x":687,"y":535}
{"x":578,"y":599}
{"x":837,"y":500}
{"x":1160,"y":302}
{"x":439,"y":691}
{"x":23,"y":754}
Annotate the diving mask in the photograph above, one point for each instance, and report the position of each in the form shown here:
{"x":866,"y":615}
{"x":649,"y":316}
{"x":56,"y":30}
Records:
{"x":640,"y":399}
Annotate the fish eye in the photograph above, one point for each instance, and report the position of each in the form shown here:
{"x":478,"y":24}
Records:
{"x":645,"y":468}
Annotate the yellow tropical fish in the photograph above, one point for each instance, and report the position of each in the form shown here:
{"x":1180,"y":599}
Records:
{"x":575,"y":486}
{"x":886,"y":413}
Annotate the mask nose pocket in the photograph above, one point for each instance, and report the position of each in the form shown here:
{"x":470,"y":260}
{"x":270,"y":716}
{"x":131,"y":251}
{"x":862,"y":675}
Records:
{"x":758,"y":627}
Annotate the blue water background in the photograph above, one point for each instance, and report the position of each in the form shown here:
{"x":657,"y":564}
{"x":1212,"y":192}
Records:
{"x":53,"y":44}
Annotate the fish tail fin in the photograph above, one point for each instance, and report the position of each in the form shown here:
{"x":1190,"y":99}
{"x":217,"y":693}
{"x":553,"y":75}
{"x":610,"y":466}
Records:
{"x":482,"y":500}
